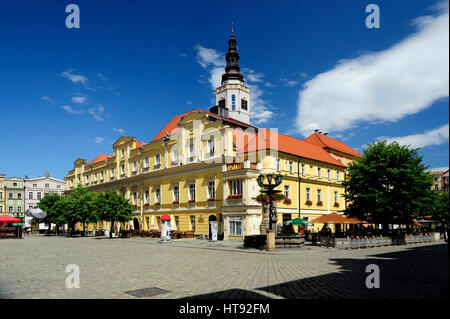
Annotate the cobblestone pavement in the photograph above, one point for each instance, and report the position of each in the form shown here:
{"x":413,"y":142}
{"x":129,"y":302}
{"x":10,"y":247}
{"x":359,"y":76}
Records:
{"x":34,"y":267}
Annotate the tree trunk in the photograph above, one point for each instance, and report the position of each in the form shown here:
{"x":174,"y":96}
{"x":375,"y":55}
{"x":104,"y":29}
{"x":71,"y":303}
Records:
{"x":84,"y":228}
{"x":111,"y":229}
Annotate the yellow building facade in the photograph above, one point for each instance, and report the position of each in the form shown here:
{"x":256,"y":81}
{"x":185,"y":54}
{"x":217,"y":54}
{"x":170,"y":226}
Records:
{"x":203,"y":166}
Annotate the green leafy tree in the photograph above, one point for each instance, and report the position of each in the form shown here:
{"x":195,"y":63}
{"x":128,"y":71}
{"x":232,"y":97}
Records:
{"x":48,"y":205}
{"x":114,"y":208}
{"x":388,"y":185}
{"x":66,"y":210}
{"x":86,"y":208}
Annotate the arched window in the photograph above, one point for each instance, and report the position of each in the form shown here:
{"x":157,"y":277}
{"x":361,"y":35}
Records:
{"x":233,"y":102}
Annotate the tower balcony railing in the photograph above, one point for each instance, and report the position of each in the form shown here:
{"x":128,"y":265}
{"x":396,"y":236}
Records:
{"x":238,"y":166}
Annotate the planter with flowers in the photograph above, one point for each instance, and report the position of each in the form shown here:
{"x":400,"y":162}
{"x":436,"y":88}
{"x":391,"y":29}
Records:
{"x":157,"y":204}
{"x":287,"y":201}
{"x":265,"y":199}
{"x":147,"y":204}
{"x":336,"y":204}
{"x":319,"y":203}
{"x":176,"y":202}
{"x":234,"y":196}
{"x":191,"y":201}
{"x":308,"y":202}
{"x":211,"y":199}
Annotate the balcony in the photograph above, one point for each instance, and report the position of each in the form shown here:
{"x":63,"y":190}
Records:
{"x":238,"y":166}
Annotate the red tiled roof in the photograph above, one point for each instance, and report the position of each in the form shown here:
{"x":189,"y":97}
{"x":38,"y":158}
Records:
{"x":172,"y":126}
{"x":139,"y":144}
{"x":285,"y":144}
{"x":326,"y":141}
{"x":100,"y":158}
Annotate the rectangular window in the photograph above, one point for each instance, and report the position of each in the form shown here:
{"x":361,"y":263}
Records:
{"x":291,"y":167}
{"x":192,"y":218}
{"x":59,"y":186}
{"x":19,"y":196}
{"x":336,"y":197}
{"x":175,"y":156}
{"x":191,"y":151}
{"x":176,"y":193}
{"x":212,"y":189}
{"x":101,"y":176}
{"x":278,"y":165}
{"x":135,"y":198}
{"x":10,"y":196}
{"x":235,"y":223}
{"x":211,"y":147}
{"x":319,"y":195}
{"x":236,"y":187}
{"x":39,"y":195}
{"x":1,"y":195}
{"x":146,"y":162}
{"x":192,"y":192}
{"x":30,"y":195}
{"x":34,"y":185}
{"x":303,"y":170}
{"x":287,"y":191}
{"x":112,"y":172}
{"x":158,"y":195}
{"x":10,"y":209}
{"x":134,"y":166}
{"x":19,"y":209}
{"x":157,"y":159}
{"x":95,"y":177}
{"x":308,"y":193}
{"x":147,"y":196}
{"x":122,"y":153}
{"x":329,"y":174}
{"x":319,"y":172}
{"x":122,"y":169}
{"x":1,"y":209}
{"x":338,"y":176}
{"x":47,"y":185}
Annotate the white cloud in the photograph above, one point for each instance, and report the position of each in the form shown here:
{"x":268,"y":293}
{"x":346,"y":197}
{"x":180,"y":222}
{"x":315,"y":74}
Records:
{"x":74,"y":78}
{"x":99,"y":139}
{"x":45,"y":98}
{"x":69,"y":110}
{"x":435,"y":136}
{"x":382,"y":86}
{"x":97,"y":112}
{"x":79,"y":99}
{"x":288,"y":83}
{"x":214,"y":62}
{"x":102,"y":76}
{"x":182,"y":55}
{"x":118,"y":130}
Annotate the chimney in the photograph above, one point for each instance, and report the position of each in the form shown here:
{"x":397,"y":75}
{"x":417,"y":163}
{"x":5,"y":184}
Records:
{"x":325,"y":134}
{"x":315,"y":131}
{"x":320,"y":132}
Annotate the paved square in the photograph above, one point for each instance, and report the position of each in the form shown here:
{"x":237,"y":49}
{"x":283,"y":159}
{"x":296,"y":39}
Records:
{"x":35,"y":267}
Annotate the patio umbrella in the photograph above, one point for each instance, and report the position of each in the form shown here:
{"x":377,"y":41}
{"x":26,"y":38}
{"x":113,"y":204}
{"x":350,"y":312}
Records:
{"x":8,"y":219}
{"x":299,"y":221}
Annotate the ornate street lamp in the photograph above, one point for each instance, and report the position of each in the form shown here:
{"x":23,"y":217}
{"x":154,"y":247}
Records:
{"x":270,"y":190}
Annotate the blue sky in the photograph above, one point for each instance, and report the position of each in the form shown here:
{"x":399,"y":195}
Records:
{"x":133,"y":65}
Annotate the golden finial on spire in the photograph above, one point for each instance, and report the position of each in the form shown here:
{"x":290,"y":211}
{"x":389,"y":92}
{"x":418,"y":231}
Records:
{"x":232,"y":30}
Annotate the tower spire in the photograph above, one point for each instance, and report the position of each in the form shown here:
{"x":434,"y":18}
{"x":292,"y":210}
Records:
{"x":232,"y":59}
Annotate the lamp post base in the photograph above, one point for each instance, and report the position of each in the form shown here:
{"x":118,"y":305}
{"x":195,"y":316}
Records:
{"x":270,"y":239}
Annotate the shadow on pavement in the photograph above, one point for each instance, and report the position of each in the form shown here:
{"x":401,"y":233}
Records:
{"x":413,"y":273}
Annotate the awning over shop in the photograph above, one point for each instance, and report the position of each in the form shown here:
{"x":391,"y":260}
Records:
{"x":9,"y":219}
{"x":335,"y":218}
